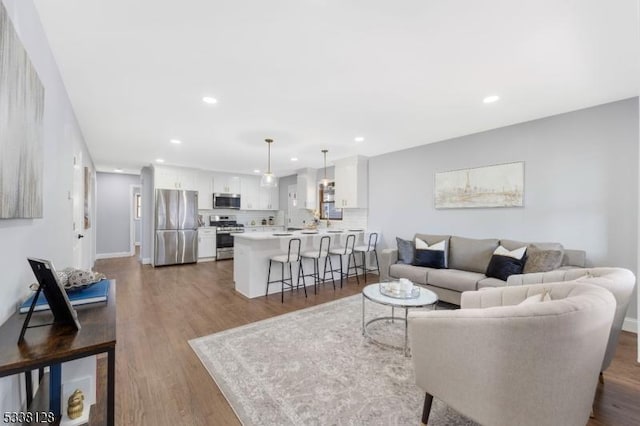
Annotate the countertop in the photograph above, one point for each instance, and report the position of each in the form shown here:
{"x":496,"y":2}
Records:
{"x":260,"y":236}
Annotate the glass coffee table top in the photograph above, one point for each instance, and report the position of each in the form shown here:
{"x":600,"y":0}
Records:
{"x":425,"y":298}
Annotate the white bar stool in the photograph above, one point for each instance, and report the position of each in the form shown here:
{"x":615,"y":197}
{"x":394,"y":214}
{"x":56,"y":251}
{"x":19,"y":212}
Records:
{"x":293,"y":255}
{"x":315,"y":255}
{"x":346,"y":250}
{"x":369,"y":248}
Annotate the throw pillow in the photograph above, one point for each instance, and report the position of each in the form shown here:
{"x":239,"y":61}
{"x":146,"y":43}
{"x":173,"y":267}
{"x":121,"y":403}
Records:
{"x":505,"y":263}
{"x":431,"y":256}
{"x":536,"y":298}
{"x":405,"y":251}
{"x":542,"y":260}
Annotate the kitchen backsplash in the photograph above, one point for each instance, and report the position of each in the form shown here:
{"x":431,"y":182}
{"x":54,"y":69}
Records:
{"x":245,"y":217}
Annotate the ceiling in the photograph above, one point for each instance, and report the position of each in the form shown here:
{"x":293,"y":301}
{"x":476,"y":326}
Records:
{"x":315,"y":74}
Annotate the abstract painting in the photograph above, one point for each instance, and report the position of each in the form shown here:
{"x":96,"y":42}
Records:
{"x":501,"y":185}
{"x":21,"y":111}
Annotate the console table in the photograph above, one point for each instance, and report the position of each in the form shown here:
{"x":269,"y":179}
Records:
{"x":55,"y":344}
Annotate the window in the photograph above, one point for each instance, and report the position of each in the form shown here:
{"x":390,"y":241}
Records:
{"x":327,"y":203}
{"x":137,"y":208}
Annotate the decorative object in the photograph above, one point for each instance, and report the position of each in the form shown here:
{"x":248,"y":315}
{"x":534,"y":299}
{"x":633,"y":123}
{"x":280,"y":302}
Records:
{"x":75,"y":405}
{"x":406,"y":251}
{"x":504,"y":263}
{"x":325,"y":182}
{"x":268,"y":179}
{"x":73,"y":279}
{"x":430,"y":256}
{"x":276,"y":371}
{"x":21,"y":111}
{"x":501,"y":185}
{"x":401,"y":289}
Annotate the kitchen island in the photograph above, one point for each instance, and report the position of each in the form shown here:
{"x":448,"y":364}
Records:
{"x":253,"y":250}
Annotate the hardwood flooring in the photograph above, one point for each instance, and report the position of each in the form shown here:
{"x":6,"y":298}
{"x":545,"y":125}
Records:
{"x":160,"y":381}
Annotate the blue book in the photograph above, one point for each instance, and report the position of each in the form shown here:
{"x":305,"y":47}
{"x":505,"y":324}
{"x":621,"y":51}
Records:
{"x":94,"y":294}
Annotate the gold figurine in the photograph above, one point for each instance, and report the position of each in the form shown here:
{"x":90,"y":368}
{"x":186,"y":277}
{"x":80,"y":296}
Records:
{"x":75,"y":405}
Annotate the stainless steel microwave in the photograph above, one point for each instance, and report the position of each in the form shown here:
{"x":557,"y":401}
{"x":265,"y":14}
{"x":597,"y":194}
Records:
{"x":226,"y":201}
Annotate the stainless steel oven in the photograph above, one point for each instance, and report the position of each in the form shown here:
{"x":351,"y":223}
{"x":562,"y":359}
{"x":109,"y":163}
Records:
{"x":226,"y":228}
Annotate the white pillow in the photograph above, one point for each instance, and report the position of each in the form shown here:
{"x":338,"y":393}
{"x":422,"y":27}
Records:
{"x":536,"y":298}
{"x":516,"y":254}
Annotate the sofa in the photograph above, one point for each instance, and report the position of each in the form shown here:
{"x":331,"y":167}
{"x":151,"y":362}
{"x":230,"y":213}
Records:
{"x":500,"y":362}
{"x":467,"y":262}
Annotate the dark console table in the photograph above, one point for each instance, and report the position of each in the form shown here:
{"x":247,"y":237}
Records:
{"x":52,"y":345}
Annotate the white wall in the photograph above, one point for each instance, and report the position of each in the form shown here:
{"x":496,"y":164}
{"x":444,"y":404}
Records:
{"x":51,"y":237}
{"x":115,"y":206}
{"x":581,"y":185}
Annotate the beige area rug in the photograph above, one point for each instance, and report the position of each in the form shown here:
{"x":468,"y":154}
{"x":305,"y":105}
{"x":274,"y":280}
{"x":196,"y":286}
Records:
{"x":314,"y":367}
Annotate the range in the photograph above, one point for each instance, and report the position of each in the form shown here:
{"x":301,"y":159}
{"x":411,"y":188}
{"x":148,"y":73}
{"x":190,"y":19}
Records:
{"x":226,"y":227}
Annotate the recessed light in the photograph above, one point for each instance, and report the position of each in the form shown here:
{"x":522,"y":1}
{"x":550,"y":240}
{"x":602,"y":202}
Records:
{"x":117,"y":170}
{"x":256,"y":171}
{"x":294,"y":158}
{"x":159,"y":160}
{"x":491,"y":99}
{"x":359,"y":139}
{"x":176,"y":141}
{"x":209,"y":100}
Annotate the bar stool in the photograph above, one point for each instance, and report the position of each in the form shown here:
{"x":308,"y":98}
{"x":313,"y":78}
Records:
{"x":347,"y":250}
{"x":293,"y":255}
{"x":315,"y":255}
{"x":370,"y":247}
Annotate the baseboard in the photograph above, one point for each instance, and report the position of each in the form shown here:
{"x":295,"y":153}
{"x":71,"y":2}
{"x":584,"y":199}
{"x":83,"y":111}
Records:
{"x":112,"y":255}
{"x":630,"y":324}
{"x":146,"y":261}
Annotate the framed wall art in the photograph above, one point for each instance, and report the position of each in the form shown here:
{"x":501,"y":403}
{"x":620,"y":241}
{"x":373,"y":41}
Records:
{"x":500,"y":185}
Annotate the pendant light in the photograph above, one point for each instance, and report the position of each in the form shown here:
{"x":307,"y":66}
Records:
{"x":325,"y":181}
{"x":268,"y":179}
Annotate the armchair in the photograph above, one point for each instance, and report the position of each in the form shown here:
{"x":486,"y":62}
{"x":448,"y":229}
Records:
{"x":500,"y":363}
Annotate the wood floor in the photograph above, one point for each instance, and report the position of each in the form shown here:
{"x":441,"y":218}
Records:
{"x":160,"y":381}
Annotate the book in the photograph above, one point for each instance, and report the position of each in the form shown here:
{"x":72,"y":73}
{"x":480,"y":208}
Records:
{"x":94,"y":294}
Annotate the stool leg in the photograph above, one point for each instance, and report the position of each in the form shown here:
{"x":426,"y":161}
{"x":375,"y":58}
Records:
{"x":291,"y":278}
{"x":268,"y":278}
{"x":364,"y":267}
{"x":354,"y":265}
{"x":282,"y":283}
{"x":331,"y":268}
{"x":316,"y":275}
{"x":375,"y":253}
{"x":301,"y":271}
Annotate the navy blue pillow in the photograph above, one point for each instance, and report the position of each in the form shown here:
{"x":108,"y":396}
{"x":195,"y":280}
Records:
{"x":429,"y":258}
{"x":406,"y":251}
{"x":501,"y":267}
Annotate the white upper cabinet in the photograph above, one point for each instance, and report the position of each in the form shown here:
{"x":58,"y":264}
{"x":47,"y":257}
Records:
{"x":167,"y":177}
{"x":269,"y":198}
{"x":226,"y":183}
{"x":250,"y":195}
{"x":351,"y":178}
{"x":307,"y":189}
{"x":205,"y":190}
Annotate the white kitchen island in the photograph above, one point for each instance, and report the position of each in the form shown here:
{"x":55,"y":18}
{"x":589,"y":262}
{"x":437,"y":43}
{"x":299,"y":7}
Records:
{"x":252,"y":251}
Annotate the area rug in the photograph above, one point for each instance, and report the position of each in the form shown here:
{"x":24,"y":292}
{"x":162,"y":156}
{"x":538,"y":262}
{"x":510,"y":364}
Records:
{"x":314,"y":367}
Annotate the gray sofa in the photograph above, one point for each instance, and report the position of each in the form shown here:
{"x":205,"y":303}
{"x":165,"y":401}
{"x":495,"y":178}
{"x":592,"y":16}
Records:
{"x":468,"y":259}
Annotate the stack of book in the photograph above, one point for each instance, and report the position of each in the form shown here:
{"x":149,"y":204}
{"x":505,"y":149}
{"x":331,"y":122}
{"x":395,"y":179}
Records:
{"x":95,"y":294}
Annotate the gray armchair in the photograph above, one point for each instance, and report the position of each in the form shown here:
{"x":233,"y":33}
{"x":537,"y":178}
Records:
{"x":500,"y":363}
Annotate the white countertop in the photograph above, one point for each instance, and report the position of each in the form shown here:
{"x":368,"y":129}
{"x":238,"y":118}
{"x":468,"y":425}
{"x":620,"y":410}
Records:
{"x":298,"y":234}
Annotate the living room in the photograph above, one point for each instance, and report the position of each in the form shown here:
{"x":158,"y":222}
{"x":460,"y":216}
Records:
{"x":566,"y":76}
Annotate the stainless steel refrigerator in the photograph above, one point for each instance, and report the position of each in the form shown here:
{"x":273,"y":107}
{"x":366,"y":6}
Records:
{"x":176,"y":227}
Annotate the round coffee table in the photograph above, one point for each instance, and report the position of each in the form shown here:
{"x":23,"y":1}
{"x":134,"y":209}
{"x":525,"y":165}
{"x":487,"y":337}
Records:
{"x":372,"y":293}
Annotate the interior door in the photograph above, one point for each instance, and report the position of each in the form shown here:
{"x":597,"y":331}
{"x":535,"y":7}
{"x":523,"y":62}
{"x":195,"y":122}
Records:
{"x":77,"y":195}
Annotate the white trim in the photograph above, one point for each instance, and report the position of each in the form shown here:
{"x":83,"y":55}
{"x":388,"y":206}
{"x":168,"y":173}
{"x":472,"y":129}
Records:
{"x":630,"y":324}
{"x":112,"y":255}
{"x":146,"y":261}
{"x":137,"y":244}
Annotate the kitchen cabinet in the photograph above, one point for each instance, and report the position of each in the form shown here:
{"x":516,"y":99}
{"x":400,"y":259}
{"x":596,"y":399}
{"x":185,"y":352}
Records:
{"x":226,"y":183}
{"x":269,"y":198}
{"x":167,"y":177}
{"x":307,"y":189}
{"x":351,"y":180}
{"x":250,"y":192}
{"x":206,"y":244}
{"x":204,"y":186}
